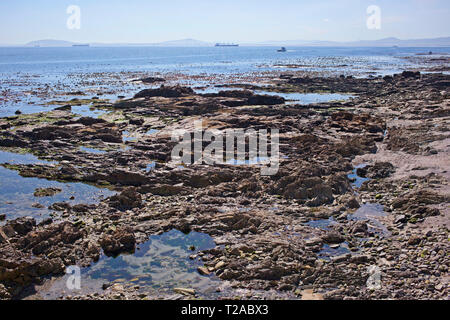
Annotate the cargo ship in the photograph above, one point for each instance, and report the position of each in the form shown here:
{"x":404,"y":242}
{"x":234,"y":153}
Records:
{"x":80,"y":45}
{"x":227,"y":45}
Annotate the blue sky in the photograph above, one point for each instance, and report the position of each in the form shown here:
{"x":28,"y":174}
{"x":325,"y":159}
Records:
{"x":140,"y":21}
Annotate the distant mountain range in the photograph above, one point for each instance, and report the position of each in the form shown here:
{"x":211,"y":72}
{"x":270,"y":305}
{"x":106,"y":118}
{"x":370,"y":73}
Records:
{"x":387,"y":42}
{"x":49,"y":43}
{"x":174,"y":43}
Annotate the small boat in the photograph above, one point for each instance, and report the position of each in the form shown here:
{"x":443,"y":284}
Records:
{"x":283,"y":49}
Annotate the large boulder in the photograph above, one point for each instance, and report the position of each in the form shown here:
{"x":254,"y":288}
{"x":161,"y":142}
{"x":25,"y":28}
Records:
{"x":21,"y":268}
{"x":411,"y":74}
{"x":265,"y":99}
{"x":18,"y":227}
{"x":246,"y":97}
{"x":380,"y":170}
{"x":151,"y":80}
{"x":333,"y":237}
{"x":127,"y":199}
{"x":166,"y":92}
{"x":122,"y":240}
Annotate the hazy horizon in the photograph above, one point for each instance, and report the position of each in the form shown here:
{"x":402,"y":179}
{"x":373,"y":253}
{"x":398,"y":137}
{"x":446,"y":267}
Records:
{"x":390,"y":41}
{"x":139,"y":21}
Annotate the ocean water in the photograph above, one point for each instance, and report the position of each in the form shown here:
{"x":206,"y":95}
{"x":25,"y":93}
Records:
{"x":30,"y":78}
{"x":57,"y":61}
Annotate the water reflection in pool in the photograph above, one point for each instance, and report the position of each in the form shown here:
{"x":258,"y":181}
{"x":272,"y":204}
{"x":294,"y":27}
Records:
{"x":323,"y":224}
{"x":253,"y":161}
{"x":126,"y":136}
{"x":307,"y":98}
{"x":152,"y":131}
{"x":92,"y":150}
{"x":371,"y":212}
{"x":357,"y":180}
{"x":160,"y":264}
{"x":151,"y":166}
{"x":328,"y":252}
{"x":290,"y":97}
{"x":17,"y":193}
{"x":88,"y":111}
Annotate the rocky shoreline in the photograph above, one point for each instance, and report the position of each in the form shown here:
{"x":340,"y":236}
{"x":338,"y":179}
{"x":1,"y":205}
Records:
{"x":310,"y":231}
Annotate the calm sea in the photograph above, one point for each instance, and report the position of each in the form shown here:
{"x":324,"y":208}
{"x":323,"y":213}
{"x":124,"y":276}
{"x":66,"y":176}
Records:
{"x":32,"y":76}
{"x":193,"y":60}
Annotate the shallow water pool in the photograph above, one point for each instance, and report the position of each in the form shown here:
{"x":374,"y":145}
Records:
{"x":357,"y":180}
{"x":160,"y":264}
{"x":17,"y":193}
